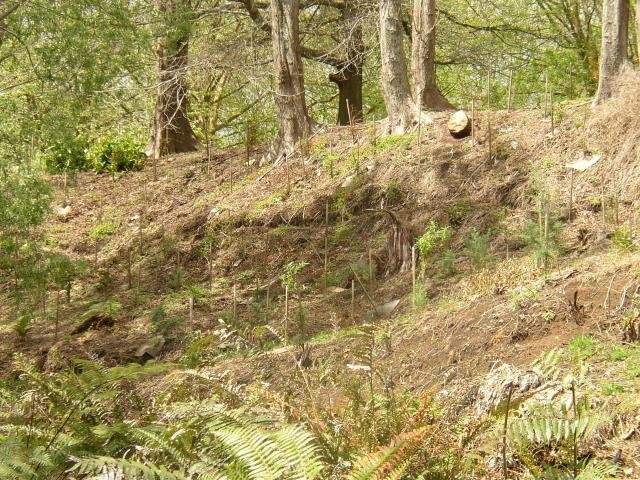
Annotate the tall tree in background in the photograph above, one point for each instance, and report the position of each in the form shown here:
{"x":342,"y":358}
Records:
{"x":425,"y":88}
{"x":293,"y":119}
{"x":348,"y":78}
{"x":402,"y":110}
{"x":615,"y":44}
{"x":348,"y":74}
{"x":171,"y":131}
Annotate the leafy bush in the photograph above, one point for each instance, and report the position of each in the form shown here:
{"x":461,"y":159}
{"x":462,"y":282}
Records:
{"x":116,"y":154}
{"x":433,"y":239}
{"x":66,"y":155}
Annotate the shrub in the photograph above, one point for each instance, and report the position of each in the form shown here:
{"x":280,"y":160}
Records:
{"x":66,"y":155}
{"x":432,"y":239}
{"x":116,"y":154}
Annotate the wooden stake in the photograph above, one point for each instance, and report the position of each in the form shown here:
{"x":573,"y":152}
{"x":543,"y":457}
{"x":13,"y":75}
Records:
{"x":510,"y":90}
{"x":371,"y":274}
{"x":419,"y":106}
{"x":286,"y":314}
{"x":326,"y":244}
{"x":571,"y":196}
{"x":489,"y":89}
{"x":413,"y":274}
{"x":546,"y":234}
{"x":546,"y":95}
{"x":57,"y":314}
{"x":129,"y":274}
{"x":504,"y":434}
{"x":473,"y":122}
{"x":235,"y":302}
{"x":353,"y":299}
{"x":552,"y":100}
{"x":191,"y":310}
{"x":490,"y":135}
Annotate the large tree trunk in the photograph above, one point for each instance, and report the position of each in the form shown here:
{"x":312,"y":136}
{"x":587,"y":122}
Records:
{"x":638,"y":29}
{"x":423,"y":54}
{"x":349,"y":77}
{"x":614,"y":52}
{"x":293,"y":119}
{"x":171,"y":131}
{"x":403,"y":112}
{"x":349,"y":82}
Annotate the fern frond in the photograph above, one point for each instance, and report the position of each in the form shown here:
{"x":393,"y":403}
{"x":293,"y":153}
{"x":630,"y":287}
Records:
{"x":129,"y":468}
{"x":377,"y":465}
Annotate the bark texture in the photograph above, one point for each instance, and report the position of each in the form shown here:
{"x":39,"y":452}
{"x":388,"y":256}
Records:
{"x":638,"y":29}
{"x":614,"y":51}
{"x":293,"y":119}
{"x":348,"y":78}
{"x":402,"y":110}
{"x":171,"y":131}
{"x":423,"y":55}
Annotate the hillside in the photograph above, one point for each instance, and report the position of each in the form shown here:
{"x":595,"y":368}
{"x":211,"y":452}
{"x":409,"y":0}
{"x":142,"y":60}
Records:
{"x":184,"y":263}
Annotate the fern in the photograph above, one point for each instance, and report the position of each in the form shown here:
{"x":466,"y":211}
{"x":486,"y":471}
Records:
{"x":389,"y":461}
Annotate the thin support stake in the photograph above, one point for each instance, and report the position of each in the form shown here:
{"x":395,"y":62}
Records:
{"x":505,"y":473}
{"x":473,"y":122}
{"x":571,"y":196}
{"x":413,"y":274}
{"x":286,"y":314}
{"x":509,"y":96}
{"x":353,"y":299}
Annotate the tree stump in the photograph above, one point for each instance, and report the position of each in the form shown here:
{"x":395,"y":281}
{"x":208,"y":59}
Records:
{"x":459,"y":125}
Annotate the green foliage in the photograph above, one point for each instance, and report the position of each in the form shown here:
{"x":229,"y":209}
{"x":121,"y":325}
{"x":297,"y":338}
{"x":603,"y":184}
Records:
{"x":448,"y":263}
{"x":583,"y":347}
{"x":341,"y":234}
{"x":543,"y":238}
{"x":271,"y":200}
{"x":434,"y":238}
{"x":457,"y":212}
{"x":116,"y":154}
{"x":162,"y":324}
{"x":64,"y":156}
{"x":477,"y":248}
{"x":290,"y":274}
{"x":102,"y":230}
{"x":622,"y":239}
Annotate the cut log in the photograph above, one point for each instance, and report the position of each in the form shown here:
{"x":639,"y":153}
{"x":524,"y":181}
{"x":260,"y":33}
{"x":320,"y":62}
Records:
{"x":459,"y":124}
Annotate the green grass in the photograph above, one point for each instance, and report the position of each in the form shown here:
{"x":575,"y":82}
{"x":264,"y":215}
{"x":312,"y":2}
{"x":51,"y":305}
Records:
{"x":102,"y":230}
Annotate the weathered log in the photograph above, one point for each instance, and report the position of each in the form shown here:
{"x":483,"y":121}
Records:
{"x":459,"y":124}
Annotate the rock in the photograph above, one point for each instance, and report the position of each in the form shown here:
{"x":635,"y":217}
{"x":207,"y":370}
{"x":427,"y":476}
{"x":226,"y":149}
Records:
{"x":502,"y":377}
{"x":347,"y":182}
{"x":63,"y":213}
{"x":382,"y":311}
{"x":215,"y":212}
{"x":150,"y":350}
{"x":459,"y":124}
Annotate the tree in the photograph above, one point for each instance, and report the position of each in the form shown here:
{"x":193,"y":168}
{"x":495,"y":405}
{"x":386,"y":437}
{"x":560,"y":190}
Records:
{"x":348,"y":78}
{"x":291,"y":108}
{"x":615,"y":42}
{"x":425,"y":87}
{"x":638,"y":28}
{"x":171,"y":131}
{"x":402,"y":110}
{"x":348,"y":74}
